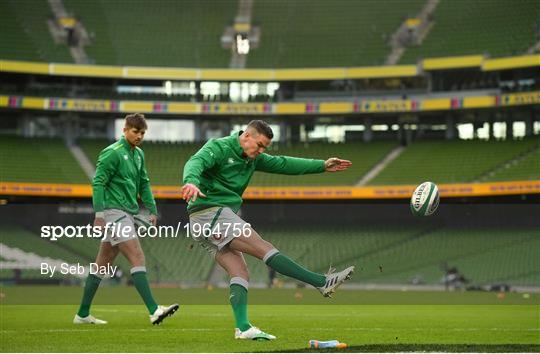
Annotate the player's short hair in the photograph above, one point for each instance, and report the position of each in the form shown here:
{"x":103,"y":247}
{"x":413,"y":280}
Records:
{"x":136,"y":120}
{"x":261,"y":127}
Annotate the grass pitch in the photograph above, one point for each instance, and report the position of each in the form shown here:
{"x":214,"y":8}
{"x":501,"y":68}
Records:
{"x":366,"y":320}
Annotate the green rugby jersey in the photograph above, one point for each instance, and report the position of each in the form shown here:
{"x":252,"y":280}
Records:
{"x":120,"y":178}
{"x":221,"y":171}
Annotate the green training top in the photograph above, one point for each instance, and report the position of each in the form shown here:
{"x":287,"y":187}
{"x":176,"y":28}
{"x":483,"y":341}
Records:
{"x":222,"y":171}
{"x":120,"y":178}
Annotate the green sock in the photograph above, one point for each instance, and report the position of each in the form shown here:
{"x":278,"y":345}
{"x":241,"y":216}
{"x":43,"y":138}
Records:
{"x":238,"y":300}
{"x":90,"y":288}
{"x":286,"y":266}
{"x":141,"y":283}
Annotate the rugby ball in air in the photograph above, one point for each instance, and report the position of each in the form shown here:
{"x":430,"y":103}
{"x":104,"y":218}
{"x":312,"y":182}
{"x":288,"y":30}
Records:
{"x":425,"y":199}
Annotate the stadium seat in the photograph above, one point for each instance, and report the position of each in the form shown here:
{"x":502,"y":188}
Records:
{"x":456,"y":161}
{"x":301,"y":33}
{"x":25,"y":34}
{"x":525,"y":167}
{"x":30,"y":243}
{"x":496,"y":28}
{"x":40,"y":160}
{"x":390,"y":255}
{"x":165,"y":161}
{"x":174,"y":33}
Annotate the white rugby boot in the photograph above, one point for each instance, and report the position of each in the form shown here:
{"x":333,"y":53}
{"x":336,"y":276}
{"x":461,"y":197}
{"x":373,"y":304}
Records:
{"x":334,"y":280}
{"x":252,"y":333}
{"x":88,"y":320}
{"x":161,"y":312}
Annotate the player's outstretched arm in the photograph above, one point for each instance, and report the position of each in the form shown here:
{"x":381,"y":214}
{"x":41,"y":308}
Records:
{"x":287,"y":165}
{"x":335,"y":164}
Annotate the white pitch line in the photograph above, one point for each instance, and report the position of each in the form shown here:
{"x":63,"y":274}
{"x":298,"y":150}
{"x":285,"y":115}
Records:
{"x":375,"y":329}
{"x":366,"y":329}
{"x":122,"y":311}
{"x":143,"y":312}
{"x":123,"y":330}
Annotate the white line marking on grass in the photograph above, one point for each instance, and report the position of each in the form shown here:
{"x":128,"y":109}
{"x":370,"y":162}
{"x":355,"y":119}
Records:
{"x":376,"y":329}
{"x":143,"y":312}
{"x":126,"y":311}
{"x":372,"y":329}
{"x":61,"y":330}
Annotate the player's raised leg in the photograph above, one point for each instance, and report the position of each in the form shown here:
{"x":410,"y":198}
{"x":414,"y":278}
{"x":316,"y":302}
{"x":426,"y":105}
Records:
{"x":132,"y":250}
{"x":106,"y":255}
{"x":264,"y":250}
{"x":235,"y":265}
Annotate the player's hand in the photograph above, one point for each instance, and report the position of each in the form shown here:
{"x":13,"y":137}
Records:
{"x":191,"y":192}
{"x":334,"y":164}
{"x":153,"y":219}
{"x":99,"y":222}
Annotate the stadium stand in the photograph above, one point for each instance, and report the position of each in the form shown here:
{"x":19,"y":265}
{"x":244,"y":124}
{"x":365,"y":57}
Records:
{"x":394,"y":255}
{"x":131,"y":35}
{"x":25,"y":34}
{"x":523,"y":168}
{"x":39,"y":160}
{"x":382,"y":254}
{"x":485,"y":256}
{"x":452,"y":161}
{"x":498,"y":28}
{"x":17,"y":238}
{"x":456,"y":161}
{"x":15,"y":43}
{"x":364,"y":157}
{"x":86,"y":249}
{"x":171,"y":260}
{"x":299,"y":33}
{"x":293,"y":34}
{"x":165,"y":161}
{"x":176,"y":260}
{"x":309,"y":245}
{"x":97,"y":92}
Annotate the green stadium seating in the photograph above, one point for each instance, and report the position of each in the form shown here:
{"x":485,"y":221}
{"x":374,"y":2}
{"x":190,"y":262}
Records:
{"x":449,"y":161}
{"x":525,"y":168}
{"x":381,"y":254}
{"x":15,"y":42}
{"x":300,"y":33}
{"x":168,"y":259}
{"x":157,"y":32}
{"x":86,"y":249}
{"x":39,"y":160}
{"x":364,"y":157}
{"x":177,"y":259}
{"x":25,"y":34}
{"x":390,"y":255}
{"x":326,"y":33}
{"x":455,"y":161}
{"x":16,"y":237}
{"x":498,"y":28}
{"x":312,"y":247}
{"x":165,"y":161}
{"x":485,"y":256}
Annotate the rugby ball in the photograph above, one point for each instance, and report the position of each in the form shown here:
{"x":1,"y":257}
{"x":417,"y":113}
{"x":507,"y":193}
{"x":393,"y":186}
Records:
{"x":425,"y":199}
